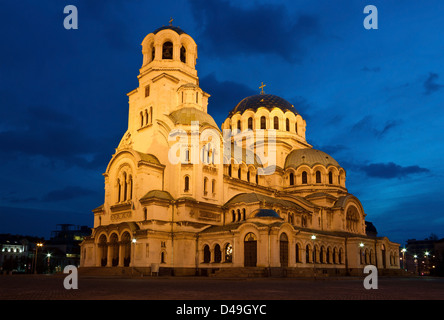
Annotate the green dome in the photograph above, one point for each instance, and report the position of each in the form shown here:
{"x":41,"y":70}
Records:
{"x":188,"y":115}
{"x":309,"y":157}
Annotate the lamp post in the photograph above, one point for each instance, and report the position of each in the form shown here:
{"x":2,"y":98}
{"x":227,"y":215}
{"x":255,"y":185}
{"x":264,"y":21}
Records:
{"x":35,"y":258}
{"x":416,"y":264}
{"x":48,"y":255}
{"x":313,"y":238}
{"x":426,"y":267}
{"x":361,"y":245}
{"x":403,"y":258}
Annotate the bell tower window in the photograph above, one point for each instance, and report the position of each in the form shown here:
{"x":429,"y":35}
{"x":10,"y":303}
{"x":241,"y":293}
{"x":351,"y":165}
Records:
{"x":183,"y":54}
{"x":167,"y":50}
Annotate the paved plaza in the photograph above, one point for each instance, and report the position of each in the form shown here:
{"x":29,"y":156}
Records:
{"x":50,"y":287}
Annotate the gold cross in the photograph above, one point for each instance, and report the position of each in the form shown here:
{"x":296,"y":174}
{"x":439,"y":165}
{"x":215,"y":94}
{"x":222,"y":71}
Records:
{"x":262,"y":87}
{"x":171,"y":21}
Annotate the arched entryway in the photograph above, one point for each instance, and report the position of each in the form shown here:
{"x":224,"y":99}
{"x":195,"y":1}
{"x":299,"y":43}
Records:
{"x":103,"y":250}
{"x":283,"y":250}
{"x":126,"y":244}
{"x":250,"y":250}
{"x":384,"y":263}
{"x":114,"y":247}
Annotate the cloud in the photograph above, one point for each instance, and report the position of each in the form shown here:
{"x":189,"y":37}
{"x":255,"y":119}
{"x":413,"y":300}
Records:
{"x":390,"y":170}
{"x":225,"y":95}
{"x":264,"y":29}
{"x":67,"y":193}
{"x":367,"y":124}
{"x":430,"y":85}
{"x":54,"y":135}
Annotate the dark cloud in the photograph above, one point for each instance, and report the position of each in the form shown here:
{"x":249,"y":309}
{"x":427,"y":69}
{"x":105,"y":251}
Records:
{"x":391,"y":170}
{"x":367,"y":125}
{"x":67,"y":193}
{"x":332,"y":149}
{"x":225,"y":95}
{"x":56,"y":136}
{"x":266,"y":29}
{"x":430,"y":85}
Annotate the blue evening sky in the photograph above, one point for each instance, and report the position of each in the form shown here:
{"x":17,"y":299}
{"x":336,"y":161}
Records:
{"x":373,"y":99}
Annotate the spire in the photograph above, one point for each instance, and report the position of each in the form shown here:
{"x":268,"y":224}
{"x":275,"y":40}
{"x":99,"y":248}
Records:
{"x":171,"y":21}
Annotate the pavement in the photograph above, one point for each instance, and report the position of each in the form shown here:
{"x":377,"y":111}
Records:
{"x":51,"y":287}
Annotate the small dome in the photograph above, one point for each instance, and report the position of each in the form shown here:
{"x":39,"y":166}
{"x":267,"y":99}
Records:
{"x":187,"y":115}
{"x":309,"y":157}
{"x":265,"y":213}
{"x":178,"y":30}
{"x":268,"y":101}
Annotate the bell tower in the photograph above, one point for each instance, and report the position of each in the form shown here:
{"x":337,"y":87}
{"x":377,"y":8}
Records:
{"x":168,"y":79}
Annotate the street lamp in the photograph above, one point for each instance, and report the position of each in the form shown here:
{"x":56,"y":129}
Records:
{"x":48,"y":255}
{"x":361,"y":245}
{"x":403,"y":258}
{"x":313,"y":238}
{"x":36,"y":250}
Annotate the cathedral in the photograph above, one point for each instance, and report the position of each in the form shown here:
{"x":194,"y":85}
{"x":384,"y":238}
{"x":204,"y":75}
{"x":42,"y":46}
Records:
{"x":184,"y":196}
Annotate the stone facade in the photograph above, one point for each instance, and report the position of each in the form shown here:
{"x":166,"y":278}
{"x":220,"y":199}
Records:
{"x":182,"y":196}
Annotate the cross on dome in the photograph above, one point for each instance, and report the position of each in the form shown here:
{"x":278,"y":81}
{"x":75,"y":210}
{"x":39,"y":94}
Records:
{"x":262,"y":87}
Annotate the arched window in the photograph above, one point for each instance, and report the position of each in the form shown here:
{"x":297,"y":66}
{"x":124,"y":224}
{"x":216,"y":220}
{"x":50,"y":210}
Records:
{"x":205,"y":185}
{"x":304,"y":177}
{"x":298,"y":252}
{"x":318,"y":176}
{"x":296,"y":127}
{"x":330,"y":177}
{"x":125,"y":187}
{"x":233,"y":216}
{"x":263,"y":123}
{"x":162,"y":257}
{"x":167,"y":50}
{"x":250,"y":123}
{"x":239,"y":217}
{"x":151,"y":115}
{"x":287,"y":124}
{"x":130,"y":187}
{"x":187,"y":184}
{"x":141,"y":118}
{"x":229,"y":170}
{"x":291,"y":179}
{"x":228,"y":250}
{"x":239,"y":172}
{"x":248,"y":175}
{"x":352,"y":219}
{"x":213,"y":186}
{"x":119,"y":190}
{"x":239,"y":125}
{"x":145,"y":215}
{"x":243,"y":214}
{"x":207,"y":254}
{"x":153,"y":53}
{"x":307,"y":254}
{"x":276,"y":123}
{"x":217,"y":254}
{"x":183,"y":54}
{"x":146,"y":117}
